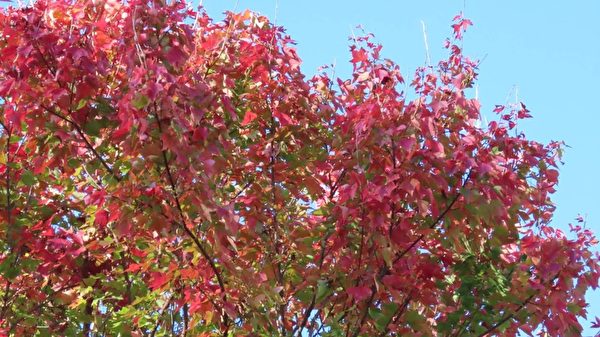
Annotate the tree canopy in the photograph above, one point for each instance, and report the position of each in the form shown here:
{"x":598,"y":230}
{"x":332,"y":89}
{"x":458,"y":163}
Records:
{"x":166,"y":174}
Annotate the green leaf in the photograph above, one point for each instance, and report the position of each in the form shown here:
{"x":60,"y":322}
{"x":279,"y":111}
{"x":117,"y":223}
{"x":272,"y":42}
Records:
{"x":73,"y":163}
{"x":573,"y":308}
{"x":413,"y":318}
{"x":387,"y":256}
{"x":82,"y":102}
{"x":92,"y":127}
{"x":11,"y":273}
{"x":7,"y":269}
{"x":28,"y":178}
{"x":140,"y":102}
{"x":322,"y":290}
{"x":378,"y":317}
{"x":385,"y":316}
{"x":319,"y":212}
{"x":304,"y":295}
{"x":103,"y":105}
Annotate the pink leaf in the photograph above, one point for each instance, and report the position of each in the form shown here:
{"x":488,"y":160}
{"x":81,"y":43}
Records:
{"x":498,"y":108}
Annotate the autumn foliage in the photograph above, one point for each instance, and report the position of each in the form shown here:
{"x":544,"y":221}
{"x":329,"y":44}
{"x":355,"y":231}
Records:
{"x":164,"y":174}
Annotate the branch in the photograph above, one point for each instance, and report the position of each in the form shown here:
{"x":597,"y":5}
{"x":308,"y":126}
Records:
{"x":241,"y":191}
{"x":160,"y":314}
{"x":385,"y":270}
{"x":186,"y":319}
{"x":336,"y":185}
{"x":399,"y":312}
{"x":434,"y":223}
{"x":313,"y":301}
{"x":76,"y":126}
{"x":39,"y":306}
{"x":516,"y":311}
{"x":88,"y":144}
{"x":363,"y":318}
{"x":509,"y":316}
{"x":184,"y":226}
{"x":8,"y":201}
{"x":464,"y":324}
{"x":8,"y":216}
{"x":87,"y":326}
{"x":273,"y":159}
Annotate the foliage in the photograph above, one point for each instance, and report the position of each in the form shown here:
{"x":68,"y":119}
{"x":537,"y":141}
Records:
{"x":165,"y":174}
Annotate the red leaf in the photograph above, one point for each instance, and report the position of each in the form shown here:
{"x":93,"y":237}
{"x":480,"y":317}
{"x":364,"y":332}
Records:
{"x":284,"y":119}
{"x":359,"y":293}
{"x":359,"y":55}
{"x":552,"y":175}
{"x":249,"y":117}
{"x":176,"y":56}
{"x":101,"y":218}
{"x":158,"y":280}
{"x":523,"y":112}
{"x":460,"y":26}
{"x":137,"y":252}
{"x":407,"y":143}
{"x":134,"y":267}
{"x":5,"y":86}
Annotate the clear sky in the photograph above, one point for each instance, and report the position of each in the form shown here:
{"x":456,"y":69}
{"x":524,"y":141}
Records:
{"x":548,"y":50}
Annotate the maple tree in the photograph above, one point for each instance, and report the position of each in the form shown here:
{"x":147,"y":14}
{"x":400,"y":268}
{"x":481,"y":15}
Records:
{"x":165,"y":174}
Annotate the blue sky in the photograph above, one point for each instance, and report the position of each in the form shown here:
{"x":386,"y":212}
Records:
{"x":548,"y":50}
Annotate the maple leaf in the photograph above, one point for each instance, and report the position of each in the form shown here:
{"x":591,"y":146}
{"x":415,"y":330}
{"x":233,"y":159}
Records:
{"x":158,"y":280}
{"x":460,"y":26}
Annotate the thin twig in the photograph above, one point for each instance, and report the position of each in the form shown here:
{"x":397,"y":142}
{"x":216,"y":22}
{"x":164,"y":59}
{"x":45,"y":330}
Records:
{"x":399,"y":312}
{"x":160,"y":314}
{"x":516,"y":311}
{"x":313,"y":300}
{"x":427,"y":58}
{"x":435,"y":222}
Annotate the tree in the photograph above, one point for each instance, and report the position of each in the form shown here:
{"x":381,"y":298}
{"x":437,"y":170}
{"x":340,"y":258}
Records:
{"x":164,"y":174}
